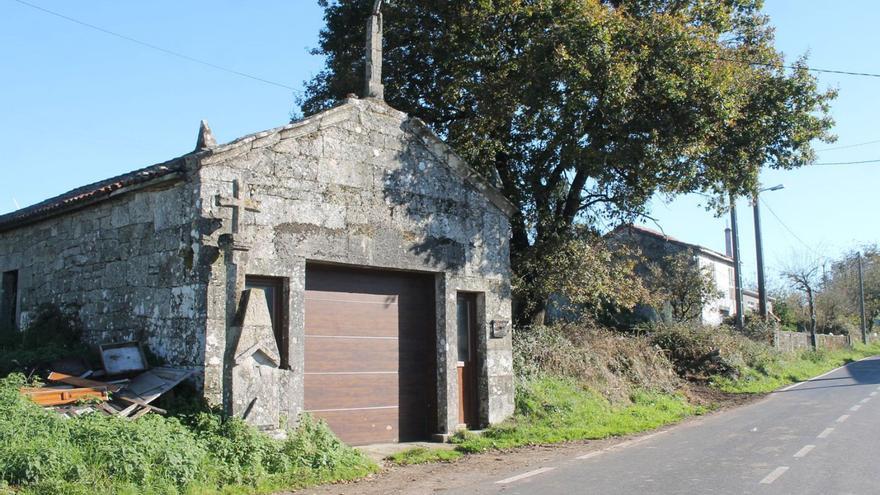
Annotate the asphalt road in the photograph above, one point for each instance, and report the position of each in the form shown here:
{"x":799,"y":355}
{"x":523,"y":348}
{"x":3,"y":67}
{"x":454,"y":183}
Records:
{"x":817,"y":437}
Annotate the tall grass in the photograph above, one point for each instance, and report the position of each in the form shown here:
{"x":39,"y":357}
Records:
{"x":598,"y":359}
{"x":552,"y":410}
{"x":44,"y":453}
{"x":785,"y":369}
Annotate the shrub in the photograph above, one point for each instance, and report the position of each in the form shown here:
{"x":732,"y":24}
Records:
{"x":53,"y":325}
{"x":53,"y":333}
{"x":700,"y":351}
{"x":597,"y":358}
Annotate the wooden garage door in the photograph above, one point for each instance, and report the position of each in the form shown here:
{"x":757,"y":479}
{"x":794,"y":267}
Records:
{"x":369,"y":353}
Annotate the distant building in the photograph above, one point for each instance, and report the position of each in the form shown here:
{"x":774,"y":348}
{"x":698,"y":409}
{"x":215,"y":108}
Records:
{"x":656,"y":245}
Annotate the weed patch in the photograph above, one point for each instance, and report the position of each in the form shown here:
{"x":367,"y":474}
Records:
{"x":786,"y":369}
{"x":421,"y":455}
{"x":203,"y":452}
{"x":553,"y":410}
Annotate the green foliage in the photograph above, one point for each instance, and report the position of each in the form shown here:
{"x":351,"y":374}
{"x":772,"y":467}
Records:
{"x":584,"y":273}
{"x":786,"y":369}
{"x":705,"y":351}
{"x":594,"y":357}
{"x":41,"y":452}
{"x":680,"y":282}
{"x":422,"y":455}
{"x":53,"y":333}
{"x":53,"y":325}
{"x":552,"y":410}
{"x":837,"y":305}
{"x":587,"y":108}
{"x":786,"y":307}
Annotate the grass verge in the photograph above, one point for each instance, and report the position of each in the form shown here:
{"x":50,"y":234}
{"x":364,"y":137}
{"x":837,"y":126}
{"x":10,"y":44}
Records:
{"x":553,"y":410}
{"x":422,"y":455}
{"x":790,"y":368}
{"x":197,"y":453}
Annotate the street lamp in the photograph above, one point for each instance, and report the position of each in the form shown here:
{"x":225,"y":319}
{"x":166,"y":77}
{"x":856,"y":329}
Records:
{"x":762,"y":287}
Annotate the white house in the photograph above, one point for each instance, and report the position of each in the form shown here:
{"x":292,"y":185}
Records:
{"x":655,"y":245}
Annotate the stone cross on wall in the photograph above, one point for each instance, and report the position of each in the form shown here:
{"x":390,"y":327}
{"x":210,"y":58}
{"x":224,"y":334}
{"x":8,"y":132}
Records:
{"x":237,"y":202}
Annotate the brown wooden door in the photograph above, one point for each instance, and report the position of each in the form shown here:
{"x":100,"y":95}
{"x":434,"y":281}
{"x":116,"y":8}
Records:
{"x":468,"y":364}
{"x":369,"y":353}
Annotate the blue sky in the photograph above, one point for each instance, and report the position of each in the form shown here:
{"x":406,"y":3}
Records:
{"x":78,"y":105}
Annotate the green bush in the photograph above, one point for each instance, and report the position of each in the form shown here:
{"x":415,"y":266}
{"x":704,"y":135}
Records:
{"x":597,"y":358}
{"x":700,"y":351}
{"x":53,"y":325}
{"x":53,"y":333}
{"x":42,"y":452}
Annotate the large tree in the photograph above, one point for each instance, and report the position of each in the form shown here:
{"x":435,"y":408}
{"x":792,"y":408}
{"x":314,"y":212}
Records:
{"x":586,"y":108}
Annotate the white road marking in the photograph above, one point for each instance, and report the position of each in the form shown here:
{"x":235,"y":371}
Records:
{"x":524,"y":475}
{"x":855,"y":408}
{"x":866,"y":399}
{"x":804,"y":451}
{"x":843,"y":418}
{"x":770,"y":478}
{"x":825,"y":432}
{"x":621,"y":445}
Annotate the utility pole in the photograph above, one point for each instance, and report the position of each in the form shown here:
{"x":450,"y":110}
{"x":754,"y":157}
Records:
{"x":862,"y":300}
{"x":759,"y":248}
{"x":737,"y":266}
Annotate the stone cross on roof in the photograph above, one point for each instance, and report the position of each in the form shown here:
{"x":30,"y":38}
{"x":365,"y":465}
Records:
{"x":237,"y":202}
{"x":373,"y":83}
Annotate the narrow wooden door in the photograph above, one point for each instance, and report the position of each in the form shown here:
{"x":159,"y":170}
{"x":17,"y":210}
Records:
{"x":468,"y":365}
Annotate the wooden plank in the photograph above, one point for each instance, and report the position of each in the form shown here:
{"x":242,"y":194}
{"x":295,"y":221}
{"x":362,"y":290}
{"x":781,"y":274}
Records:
{"x":55,"y":397}
{"x":148,"y":386}
{"x":142,"y":404}
{"x":139,"y":413}
{"x":82,"y":382}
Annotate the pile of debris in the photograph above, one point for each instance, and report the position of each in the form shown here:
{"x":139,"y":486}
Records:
{"x":125,"y":386}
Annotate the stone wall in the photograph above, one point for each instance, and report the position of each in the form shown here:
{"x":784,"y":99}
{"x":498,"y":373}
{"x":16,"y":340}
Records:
{"x":125,"y":264}
{"x":800,"y":341}
{"x":363,"y":185}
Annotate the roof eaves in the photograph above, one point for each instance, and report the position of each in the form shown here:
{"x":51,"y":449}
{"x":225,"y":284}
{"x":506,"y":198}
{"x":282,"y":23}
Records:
{"x":93,"y":193}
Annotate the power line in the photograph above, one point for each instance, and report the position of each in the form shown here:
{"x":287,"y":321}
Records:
{"x":850,"y":146}
{"x":157,"y":48}
{"x":848,"y":163}
{"x":786,"y":226}
{"x":267,"y":81}
{"x":796,"y":67}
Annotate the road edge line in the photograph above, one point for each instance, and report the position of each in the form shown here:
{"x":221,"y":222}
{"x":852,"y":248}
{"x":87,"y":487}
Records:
{"x":793,"y":385}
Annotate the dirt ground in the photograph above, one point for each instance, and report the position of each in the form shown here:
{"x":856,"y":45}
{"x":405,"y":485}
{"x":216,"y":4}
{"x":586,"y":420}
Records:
{"x":434,"y":477}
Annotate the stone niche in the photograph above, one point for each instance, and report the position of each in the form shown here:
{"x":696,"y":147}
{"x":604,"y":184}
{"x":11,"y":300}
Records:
{"x":257,"y":381}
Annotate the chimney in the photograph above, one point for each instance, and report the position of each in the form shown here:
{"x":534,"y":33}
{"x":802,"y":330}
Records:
{"x":373,"y":84}
{"x":728,"y":242}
